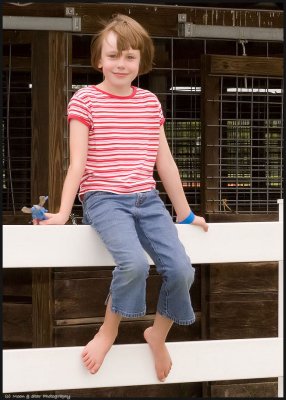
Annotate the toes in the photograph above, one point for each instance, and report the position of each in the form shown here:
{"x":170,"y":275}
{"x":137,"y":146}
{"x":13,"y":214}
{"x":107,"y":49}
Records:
{"x":169,"y":370}
{"x":90,"y":364}
{"x":84,"y":353}
{"x":87,"y":363}
{"x":95,"y":368}
{"x":85,"y":358}
{"x":161,"y":376}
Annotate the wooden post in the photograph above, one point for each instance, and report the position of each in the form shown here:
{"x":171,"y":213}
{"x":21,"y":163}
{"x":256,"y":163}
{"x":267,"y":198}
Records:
{"x":210,"y":138}
{"x":48,"y":124}
{"x":40,"y":116}
{"x":57,"y":116}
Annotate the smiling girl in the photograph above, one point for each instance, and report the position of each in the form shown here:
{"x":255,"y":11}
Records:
{"x":116,"y":138}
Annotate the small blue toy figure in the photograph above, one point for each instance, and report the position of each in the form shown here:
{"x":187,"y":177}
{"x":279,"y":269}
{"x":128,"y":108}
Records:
{"x":37,"y":211}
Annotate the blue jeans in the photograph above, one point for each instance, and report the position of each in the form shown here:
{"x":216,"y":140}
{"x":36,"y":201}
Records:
{"x":127,"y":224}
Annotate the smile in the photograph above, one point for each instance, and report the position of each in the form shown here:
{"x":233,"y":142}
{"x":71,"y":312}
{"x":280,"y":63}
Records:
{"x":119,"y":74}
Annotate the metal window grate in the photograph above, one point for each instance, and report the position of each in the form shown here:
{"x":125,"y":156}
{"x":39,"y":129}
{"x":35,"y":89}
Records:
{"x":16,"y":143}
{"x":250,"y":144}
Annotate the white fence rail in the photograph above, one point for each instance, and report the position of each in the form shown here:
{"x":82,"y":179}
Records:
{"x":43,"y":369}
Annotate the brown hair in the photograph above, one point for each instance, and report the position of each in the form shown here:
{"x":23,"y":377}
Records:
{"x":130,"y":34}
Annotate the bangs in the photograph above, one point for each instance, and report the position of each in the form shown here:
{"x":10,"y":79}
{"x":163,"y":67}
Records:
{"x":127,"y":38}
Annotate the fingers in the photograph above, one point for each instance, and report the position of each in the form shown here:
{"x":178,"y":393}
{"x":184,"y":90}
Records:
{"x":54,"y":219}
{"x":37,"y":221}
{"x":50,"y":221}
{"x":44,"y":222}
{"x":204,"y":225}
{"x":200,"y":221}
{"x":47,"y":221}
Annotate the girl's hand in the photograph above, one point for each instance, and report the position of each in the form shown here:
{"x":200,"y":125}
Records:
{"x":200,"y":221}
{"x":53,"y":219}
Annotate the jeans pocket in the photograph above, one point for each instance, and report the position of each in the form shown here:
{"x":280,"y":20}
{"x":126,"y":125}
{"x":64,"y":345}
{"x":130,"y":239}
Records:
{"x":96,"y":207}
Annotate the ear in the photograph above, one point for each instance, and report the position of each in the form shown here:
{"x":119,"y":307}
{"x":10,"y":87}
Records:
{"x":99,"y":64}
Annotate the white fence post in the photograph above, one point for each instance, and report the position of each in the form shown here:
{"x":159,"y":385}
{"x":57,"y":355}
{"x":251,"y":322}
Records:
{"x":280,"y":301}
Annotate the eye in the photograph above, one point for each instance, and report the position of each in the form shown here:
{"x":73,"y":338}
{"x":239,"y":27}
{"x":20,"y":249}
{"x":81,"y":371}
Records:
{"x":112,"y":55}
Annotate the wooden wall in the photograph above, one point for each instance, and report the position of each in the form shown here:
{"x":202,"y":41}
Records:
{"x":17,"y":308}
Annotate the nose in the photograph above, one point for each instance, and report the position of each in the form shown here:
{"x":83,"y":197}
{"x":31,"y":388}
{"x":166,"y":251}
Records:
{"x":120,"y":62}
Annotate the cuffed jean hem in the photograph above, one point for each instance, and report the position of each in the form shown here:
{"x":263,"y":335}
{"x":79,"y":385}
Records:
{"x":127,"y":315}
{"x":115,"y":310}
{"x":177,"y":321}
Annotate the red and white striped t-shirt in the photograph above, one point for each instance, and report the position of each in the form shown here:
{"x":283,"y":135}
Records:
{"x":123,"y":139}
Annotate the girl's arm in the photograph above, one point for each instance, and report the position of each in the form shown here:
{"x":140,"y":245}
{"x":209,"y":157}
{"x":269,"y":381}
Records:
{"x":169,"y":174}
{"x":78,"y":155}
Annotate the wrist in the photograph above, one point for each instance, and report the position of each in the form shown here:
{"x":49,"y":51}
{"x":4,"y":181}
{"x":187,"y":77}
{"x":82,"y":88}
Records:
{"x":189,"y":219}
{"x":64,"y":215}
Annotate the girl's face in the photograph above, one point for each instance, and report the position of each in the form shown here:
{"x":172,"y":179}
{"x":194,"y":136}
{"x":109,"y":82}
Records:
{"x":118,"y":70}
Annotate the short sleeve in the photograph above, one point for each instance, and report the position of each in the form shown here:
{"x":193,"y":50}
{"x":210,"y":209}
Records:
{"x":78,"y":108}
{"x":161,"y":115}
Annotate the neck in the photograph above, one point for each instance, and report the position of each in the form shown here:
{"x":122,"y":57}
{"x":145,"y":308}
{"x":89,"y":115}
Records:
{"x":120,"y":91}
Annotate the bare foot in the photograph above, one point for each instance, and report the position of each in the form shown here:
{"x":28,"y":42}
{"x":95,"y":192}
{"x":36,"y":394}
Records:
{"x":95,"y":351}
{"x":163,"y":362}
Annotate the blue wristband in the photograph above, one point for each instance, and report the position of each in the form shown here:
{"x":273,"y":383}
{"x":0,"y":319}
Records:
{"x":189,"y":219}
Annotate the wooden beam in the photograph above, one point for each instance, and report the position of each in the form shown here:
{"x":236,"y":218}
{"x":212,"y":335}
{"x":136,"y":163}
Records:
{"x":159,"y":20}
{"x":17,"y":323}
{"x":42,"y":307}
{"x":132,"y":364}
{"x":48,"y":116}
{"x":57,"y":116}
{"x":40,"y":116}
{"x":210,"y":138}
{"x":245,"y":65}
{"x":48,"y":126}
{"x":34,"y":9}
{"x":41,"y":287}
{"x":17,"y":63}
{"x":80,"y":245}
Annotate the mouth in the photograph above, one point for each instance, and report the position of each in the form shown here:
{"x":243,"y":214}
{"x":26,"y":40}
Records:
{"x":120,"y":75}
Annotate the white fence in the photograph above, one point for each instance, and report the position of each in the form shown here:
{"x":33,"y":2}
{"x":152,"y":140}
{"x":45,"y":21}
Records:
{"x":60,"y":368}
